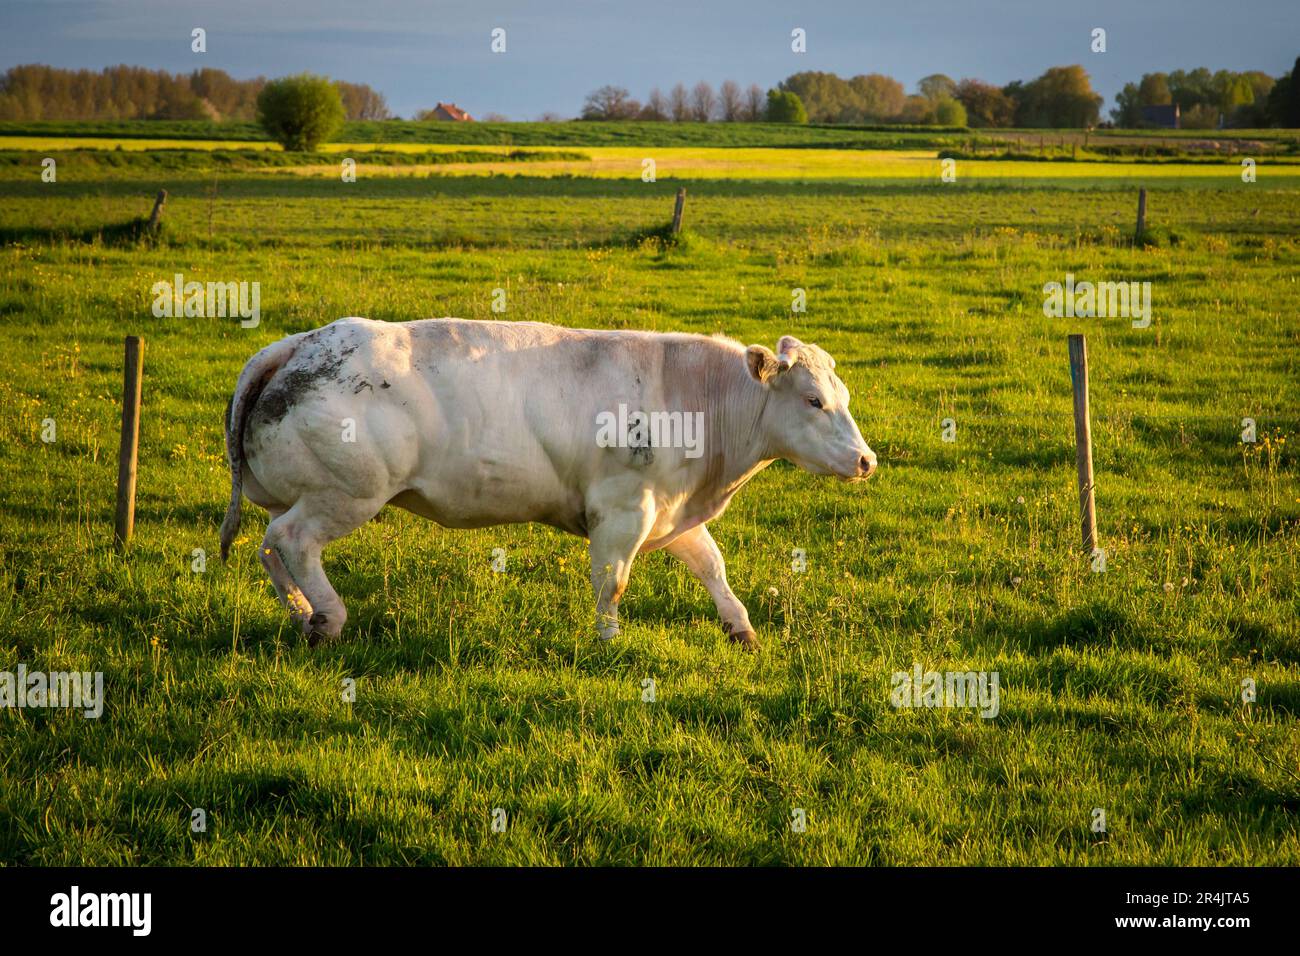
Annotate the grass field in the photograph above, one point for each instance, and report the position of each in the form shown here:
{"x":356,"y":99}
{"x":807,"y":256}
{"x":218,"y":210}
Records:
{"x":476,"y":690}
{"x":93,"y":160}
{"x":706,"y":135}
{"x":527,"y":134}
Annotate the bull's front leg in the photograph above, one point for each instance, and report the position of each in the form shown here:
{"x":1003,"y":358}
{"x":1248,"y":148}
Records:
{"x":699,"y":552}
{"x":615,"y":540}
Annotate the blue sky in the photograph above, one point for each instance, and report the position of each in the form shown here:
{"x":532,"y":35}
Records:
{"x":559,"y":50}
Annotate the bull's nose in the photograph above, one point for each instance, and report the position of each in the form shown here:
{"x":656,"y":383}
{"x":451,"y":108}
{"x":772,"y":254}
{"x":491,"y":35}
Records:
{"x":867,"y":465}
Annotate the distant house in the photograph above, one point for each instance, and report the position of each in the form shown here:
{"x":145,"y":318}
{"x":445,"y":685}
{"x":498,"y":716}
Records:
{"x":1167,"y":117}
{"x":450,"y":111}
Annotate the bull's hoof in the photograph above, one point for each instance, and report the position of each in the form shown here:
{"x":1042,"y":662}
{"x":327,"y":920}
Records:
{"x":318,"y":630}
{"x":747,"y":640}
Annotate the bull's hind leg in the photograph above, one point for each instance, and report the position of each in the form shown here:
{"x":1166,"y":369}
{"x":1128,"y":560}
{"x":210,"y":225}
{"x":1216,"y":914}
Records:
{"x":298,"y":537}
{"x":290,"y":594}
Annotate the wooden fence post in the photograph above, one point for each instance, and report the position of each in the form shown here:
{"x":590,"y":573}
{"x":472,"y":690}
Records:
{"x":1142,"y":215}
{"x":155,"y":217}
{"x":678,"y":208}
{"x":124,"y":522}
{"x":1083,"y":441}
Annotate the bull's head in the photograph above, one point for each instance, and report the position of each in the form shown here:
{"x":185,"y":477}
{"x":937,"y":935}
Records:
{"x":807,"y":418}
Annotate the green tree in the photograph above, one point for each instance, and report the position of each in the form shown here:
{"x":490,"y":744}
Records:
{"x":1061,"y":97}
{"x":917,"y":111}
{"x":1128,"y":107}
{"x":1015,"y":95}
{"x":1154,"y":90}
{"x":1284,"y":99}
{"x":986,"y":105}
{"x":1192,"y":88}
{"x":300,"y":112}
{"x":877,"y":98}
{"x":1261,"y":84}
{"x":936,"y":86}
{"x":1234,"y":90}
{"x":1200,"y":116}
{"x":784,"y":106}
{"x":1255,"y":116}
{"x":949,"y":112}
{"x":825,"y":97}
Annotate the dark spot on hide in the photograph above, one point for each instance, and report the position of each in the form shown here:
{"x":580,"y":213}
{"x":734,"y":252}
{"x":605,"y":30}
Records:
{"x":587,"y":357}
{"x":638,"y":438}
{"x":640,"y":444}
{"x":292,"y":383}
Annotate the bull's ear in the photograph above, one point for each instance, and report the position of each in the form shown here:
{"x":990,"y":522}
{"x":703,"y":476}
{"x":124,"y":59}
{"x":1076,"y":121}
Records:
{"x":762,"y":363}
{"x":787,"y":351}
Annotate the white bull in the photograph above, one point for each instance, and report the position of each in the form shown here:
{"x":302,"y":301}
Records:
{"x":482,"y":423}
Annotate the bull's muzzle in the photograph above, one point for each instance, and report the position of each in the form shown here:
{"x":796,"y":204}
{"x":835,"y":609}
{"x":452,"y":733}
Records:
{"x":866,"y":466}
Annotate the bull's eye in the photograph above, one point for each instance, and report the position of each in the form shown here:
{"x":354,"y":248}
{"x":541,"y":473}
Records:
{"x":815,"y":402}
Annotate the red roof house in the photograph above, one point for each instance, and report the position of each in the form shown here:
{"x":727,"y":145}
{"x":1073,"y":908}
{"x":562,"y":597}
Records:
{"x":450,"y":111}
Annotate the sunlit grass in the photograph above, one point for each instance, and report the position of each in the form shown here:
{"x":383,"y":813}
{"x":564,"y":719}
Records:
{"x":478,"y":690}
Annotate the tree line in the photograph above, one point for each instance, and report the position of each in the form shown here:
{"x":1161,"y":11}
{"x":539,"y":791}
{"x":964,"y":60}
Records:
{"x":700,"y":104}
{"x":1252,"y":99}
{"x":38,"y":92}
{"x":1062,"y":97}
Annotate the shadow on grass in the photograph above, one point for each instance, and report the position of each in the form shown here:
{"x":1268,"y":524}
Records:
{"x":1093,"y":625}
{"x":133,"y":232}
{"x":1271,"y":643}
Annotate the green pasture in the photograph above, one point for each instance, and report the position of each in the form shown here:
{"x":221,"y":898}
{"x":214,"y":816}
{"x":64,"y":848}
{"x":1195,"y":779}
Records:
{"x":476,"y":690}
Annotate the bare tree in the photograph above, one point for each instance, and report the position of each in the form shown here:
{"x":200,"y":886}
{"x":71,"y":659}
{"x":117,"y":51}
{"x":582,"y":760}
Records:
{"x":360,"y":102}
{"x":730,"y":102}
{"x":656,"y":107}
{"x":704,"y":102}
{"x":610,"y":103}
{"x":549,"y":117}
{"x":755,"y":103}
{"x":679,"y":104}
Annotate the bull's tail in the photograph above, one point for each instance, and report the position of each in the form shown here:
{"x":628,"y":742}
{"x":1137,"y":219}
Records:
{"x":259,"y":370}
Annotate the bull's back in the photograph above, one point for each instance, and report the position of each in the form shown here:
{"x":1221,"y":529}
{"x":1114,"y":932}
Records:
{"x":514,"y":435}
{"x":468,"y":422}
